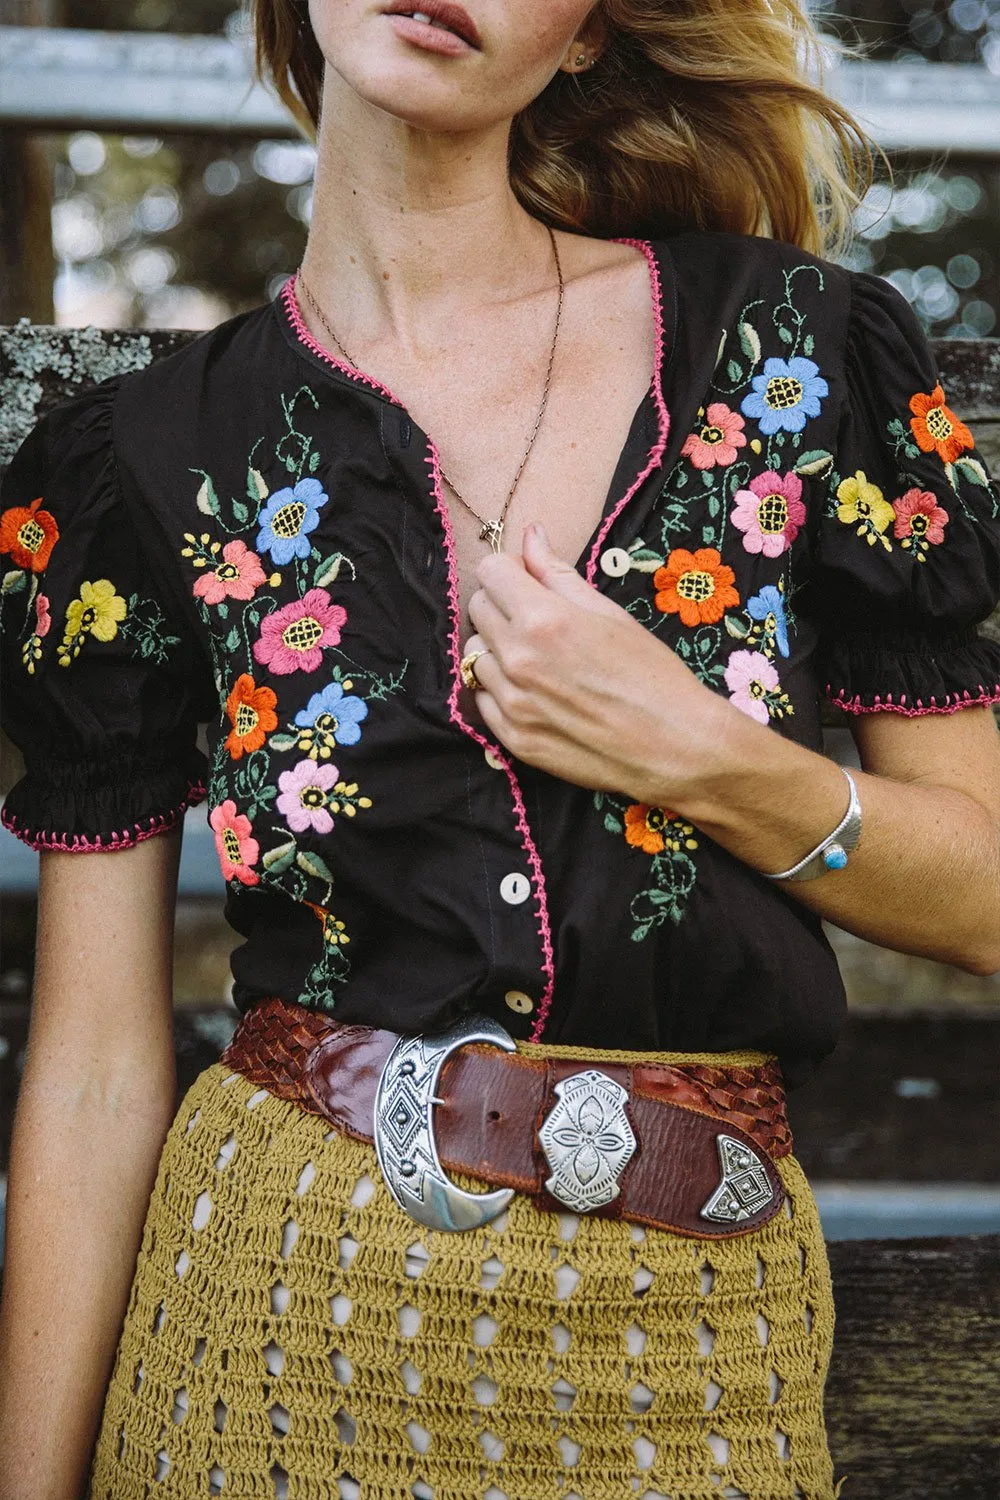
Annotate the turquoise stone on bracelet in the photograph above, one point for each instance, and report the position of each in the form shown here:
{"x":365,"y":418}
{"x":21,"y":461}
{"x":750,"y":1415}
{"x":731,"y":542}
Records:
{"x":835,"y":857}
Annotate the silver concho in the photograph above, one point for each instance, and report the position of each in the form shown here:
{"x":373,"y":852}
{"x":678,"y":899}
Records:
{"x":403,"y":1128}
{"x":587,"y":1140}
{"x":745,"y":1188}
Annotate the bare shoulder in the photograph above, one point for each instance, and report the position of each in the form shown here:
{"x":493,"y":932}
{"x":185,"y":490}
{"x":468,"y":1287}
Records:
{"x":603,"y":263}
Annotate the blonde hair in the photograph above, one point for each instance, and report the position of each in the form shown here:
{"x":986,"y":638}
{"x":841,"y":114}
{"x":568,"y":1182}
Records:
{"x":699,"y":114}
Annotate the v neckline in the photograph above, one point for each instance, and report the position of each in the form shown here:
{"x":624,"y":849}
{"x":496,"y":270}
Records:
{"x":288,"y":314}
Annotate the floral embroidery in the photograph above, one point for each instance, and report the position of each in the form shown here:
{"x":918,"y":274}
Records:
{"x":696,"y":585}
{"x":306,"y":802}
{"x":920,"y":521}
{"x":97,"y":612}
{"x":653,"y":829}
{"x":238,"y":851}
{"x":237,"y":575}
{"x":936,"y":427}
{"x":332,"y":717}
{"x":31,"y":651}
{"x":864,"y":505}
{"x":718,"y":440}
{"x":292,"y":639}
{"x":28,"y":534}
{"x":288,"y":518}
{"x":43,"y":617}
{"x":786,"y":395}
{"x":754,"y":686}
{"x":768,"y":609}
{"x":334,"y":931}
{"x":146,"y":625}
{"x":769,"y":513}
{"x":251,"y":713}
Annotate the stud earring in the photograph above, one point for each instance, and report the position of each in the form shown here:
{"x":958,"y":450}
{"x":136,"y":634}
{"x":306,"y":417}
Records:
{"x":581,"y":59}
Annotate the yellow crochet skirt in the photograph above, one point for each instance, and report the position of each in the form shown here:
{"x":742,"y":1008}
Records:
{"x":292,"y":1333}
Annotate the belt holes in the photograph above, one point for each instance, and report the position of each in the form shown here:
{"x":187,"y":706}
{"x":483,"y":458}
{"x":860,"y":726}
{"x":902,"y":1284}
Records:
{"x":569,"y":1451}
{"x":707,"y":1276}
{"x":274,"y":1358}
{"x":409,"y":1320}
{"x":638,"y":1234}
{"x":280,"y":1419}
{"x":640,"y":1397}
{"x":484,"y":1330}
{"x":411,"y":1377}
{"x":256,"y":1098}
{"x":347,"y":1428}
{"x":642,"y":1280}
{"x":494,"y":1114}
{"x":705,"y":1335}
{"x":279,"y":1298}
{"x":279,"y":1477}
{"x":491,"y":1445}
{"x":491,"y":1272}
{"x":719,"y":1446}
{"x":420,"y":1437}
{"x":220,"y":1415}
{"x":485,"y":1390}
{"x":341,"y":1308}
{"x":563,"y":1393}
{"x":763,"y":1330}
{"x":216,"y":1480}
{"x":645,"y":1452}
{"x":180,"y":1405}
{"x":341,"y":1366}
{"x":713,"y":1395}
{"x":568,"y":1225}
{"x":635,"y":1339}
{"x":162,"y":1466}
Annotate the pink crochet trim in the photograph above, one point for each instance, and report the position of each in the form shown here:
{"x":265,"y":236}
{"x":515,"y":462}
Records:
{"x":659,"y":447}
{"x":294,"y":312}
{"x":146,"y":829}
{"x":952,"y":704}
{"x":527,"y":841}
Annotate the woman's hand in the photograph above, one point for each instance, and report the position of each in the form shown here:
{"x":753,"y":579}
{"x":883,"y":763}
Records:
{"x":574,"y":685}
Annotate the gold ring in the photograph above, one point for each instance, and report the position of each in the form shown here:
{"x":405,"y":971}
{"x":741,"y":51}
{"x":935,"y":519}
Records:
{"x":467,"y":669}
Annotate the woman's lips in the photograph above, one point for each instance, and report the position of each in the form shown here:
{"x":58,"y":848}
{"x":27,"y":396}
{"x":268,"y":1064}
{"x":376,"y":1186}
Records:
{"x":430,"y":38}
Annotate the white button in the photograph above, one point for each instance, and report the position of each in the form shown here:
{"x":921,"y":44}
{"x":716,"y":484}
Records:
{"x":615,"y":562}
{"x":519,"y":1001}
{"x":515,"y":888}
{"x":492,"y":761}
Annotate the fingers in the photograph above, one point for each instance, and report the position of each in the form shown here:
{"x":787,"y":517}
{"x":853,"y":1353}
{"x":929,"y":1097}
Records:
{"x":558,"y":575}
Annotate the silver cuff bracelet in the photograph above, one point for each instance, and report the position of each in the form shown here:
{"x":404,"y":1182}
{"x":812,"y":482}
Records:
{"x":832,"y":853}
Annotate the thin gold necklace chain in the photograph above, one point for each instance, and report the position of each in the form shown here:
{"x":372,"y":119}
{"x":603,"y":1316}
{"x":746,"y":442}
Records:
{"x":490,"y":531}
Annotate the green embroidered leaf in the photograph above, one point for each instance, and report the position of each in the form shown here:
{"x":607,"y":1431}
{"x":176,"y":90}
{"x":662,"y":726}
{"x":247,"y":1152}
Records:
{"x":722,"y":345}
{"x":283,"y":741}
{"x":276,"y":860}
{"x":736,"y":627}
{"x":816,"y":461}
{"x":233,"y":640}
{"x":612,"y":824}
{"x":735,"y":372}
{"x":659,"y":898}
{"x":206,"y":499}
{"x":256,"y":485}
{"x":952,"y":474}
{"x":713,"y":505}
{"x":313,"y":462}
{"x":241,"y":512}
{"x":313,"y":865}
{"x":14,"y":581}
{"x":707,"y":478}
{"x":640,"y":933}
{"x":328,"y":570}
{"x":289,"y":463}
{"x":750,"y":342}
{"x":785,"y":335}
{"x":707,"y":535}
{"x":646,"y":562}
{"x":974,"y":470}
{"x":808,"y":344}
{"x":222,"y":610}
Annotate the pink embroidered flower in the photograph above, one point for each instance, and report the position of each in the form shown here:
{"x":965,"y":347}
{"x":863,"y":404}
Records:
{"x":304,"y":796}
{"x":769,"y":513}
{"x":749,"y":678}
{"x":715,"y":443}
{"x":292,"y":639}
{"x":238,"y":852}
{"x":43,"y":619}
{"x":238,"y":576}
{"x":919,"y":519}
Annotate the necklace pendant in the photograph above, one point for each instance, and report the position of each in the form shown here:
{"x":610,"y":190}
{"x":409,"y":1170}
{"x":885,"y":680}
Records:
{"x":492,"y":532}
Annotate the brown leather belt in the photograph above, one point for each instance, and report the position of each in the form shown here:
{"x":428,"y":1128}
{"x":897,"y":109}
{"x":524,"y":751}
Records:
{"x":704,"y":1134}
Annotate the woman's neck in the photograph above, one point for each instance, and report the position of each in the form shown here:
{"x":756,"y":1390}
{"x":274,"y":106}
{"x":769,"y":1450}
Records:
{"x":411,"y":229}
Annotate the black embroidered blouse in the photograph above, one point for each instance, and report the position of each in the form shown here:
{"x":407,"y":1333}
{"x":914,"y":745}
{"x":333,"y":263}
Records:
{"x":250,"y":536}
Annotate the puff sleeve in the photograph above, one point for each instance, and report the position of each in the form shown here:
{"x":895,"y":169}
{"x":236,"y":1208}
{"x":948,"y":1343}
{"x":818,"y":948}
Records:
{"x":103,"y":684}
{"x":907,"y":554}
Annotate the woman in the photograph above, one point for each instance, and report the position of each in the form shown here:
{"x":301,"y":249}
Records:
{"x":458,"y":780}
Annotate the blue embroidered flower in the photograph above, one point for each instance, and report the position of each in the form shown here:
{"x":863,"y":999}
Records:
{"x":288,"y":517}
{"x":786,"y":395}
{"x":769,"y":606}
{"x":330,"y":718}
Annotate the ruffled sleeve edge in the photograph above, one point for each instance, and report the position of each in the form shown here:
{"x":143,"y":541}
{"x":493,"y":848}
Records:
{"x":127,"y":838}
{"x":915,"y":682}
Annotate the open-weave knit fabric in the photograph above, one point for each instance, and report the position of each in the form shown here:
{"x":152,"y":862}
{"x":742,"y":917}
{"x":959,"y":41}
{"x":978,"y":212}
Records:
{"x":292,"y":1333}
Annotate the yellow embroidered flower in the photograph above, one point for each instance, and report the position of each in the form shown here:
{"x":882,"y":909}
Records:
{"x":96,"y":612}
{"x":864,"y":505}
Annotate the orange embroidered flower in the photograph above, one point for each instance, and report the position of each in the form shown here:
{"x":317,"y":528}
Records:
{"x":28,"y":534}
{"x":696,"y":585}
{"x":251,"y":712}
{"x":936,"y":427}
{"x":644,"y":826}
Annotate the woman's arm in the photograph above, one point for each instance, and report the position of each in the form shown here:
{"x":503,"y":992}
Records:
{"x":573,"y":684}
{"x":96,"y":1101}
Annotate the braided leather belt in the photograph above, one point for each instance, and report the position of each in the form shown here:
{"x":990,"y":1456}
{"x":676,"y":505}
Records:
{"x":690,"y":1149}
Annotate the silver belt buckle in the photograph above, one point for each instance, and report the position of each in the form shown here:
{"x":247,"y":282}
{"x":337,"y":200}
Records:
{"x":403,"y":1128}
